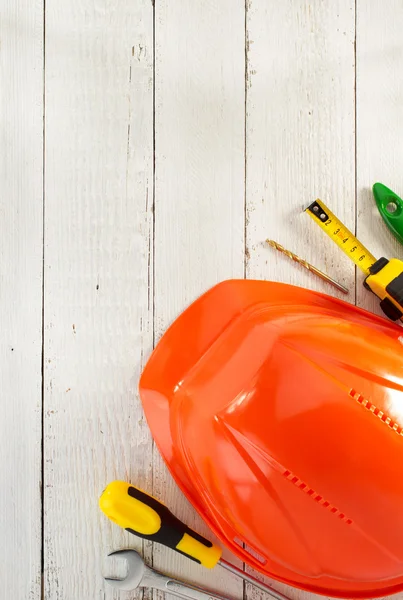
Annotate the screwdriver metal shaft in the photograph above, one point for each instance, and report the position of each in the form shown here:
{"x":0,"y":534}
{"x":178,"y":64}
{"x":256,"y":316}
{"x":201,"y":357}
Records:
{"x":307,"y":265}
{"x":250,"y":579}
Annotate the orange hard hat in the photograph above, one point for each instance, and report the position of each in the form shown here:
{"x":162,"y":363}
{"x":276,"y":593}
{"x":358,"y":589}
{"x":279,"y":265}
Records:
{"x":279,"y":412}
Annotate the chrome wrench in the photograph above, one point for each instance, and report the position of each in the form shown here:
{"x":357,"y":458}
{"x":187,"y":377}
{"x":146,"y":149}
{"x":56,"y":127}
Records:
{"x":140,"y":575}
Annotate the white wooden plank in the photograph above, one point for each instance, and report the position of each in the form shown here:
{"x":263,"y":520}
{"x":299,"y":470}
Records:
{"x":21,"y":247}
{"x":98,"y":278}
{"x":299,"y":141}
{"x":300,"y":136}
{"x":379,"y":125}
{"x":199,"y":218}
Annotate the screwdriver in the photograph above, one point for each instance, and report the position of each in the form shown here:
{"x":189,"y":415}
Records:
{"x":149,"y":519}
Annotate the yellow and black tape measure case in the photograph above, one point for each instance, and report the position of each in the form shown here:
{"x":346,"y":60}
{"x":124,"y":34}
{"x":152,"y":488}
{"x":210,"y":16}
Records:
{"x":383,"y":277}
{"x":386,"y":281}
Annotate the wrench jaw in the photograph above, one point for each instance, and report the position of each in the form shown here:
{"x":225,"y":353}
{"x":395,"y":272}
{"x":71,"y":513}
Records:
{"x":135,"y":571}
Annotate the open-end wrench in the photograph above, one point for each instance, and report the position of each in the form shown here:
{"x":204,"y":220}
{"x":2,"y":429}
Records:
{"x":139,"y":575}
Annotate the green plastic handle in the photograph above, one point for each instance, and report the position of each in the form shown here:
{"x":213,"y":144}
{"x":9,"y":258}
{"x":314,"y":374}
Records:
{"x":391,"y":208}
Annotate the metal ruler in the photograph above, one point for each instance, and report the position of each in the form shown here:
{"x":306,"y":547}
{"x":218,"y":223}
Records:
{"x":342,"y":236}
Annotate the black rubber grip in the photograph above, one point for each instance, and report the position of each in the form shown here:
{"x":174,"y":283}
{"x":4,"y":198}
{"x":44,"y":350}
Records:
{"x":172,"y":529}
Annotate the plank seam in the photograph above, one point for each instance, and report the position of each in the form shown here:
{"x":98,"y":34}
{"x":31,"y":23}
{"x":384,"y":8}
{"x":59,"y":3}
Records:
{"x":246,"y":253}
{"x":355,"y":146}
{"x":152,"y":233}
{"x":42,"y":487}
{"x":245,"y":139}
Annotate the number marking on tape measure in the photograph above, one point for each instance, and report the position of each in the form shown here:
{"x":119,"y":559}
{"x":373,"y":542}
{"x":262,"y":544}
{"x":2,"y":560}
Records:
{"x":342,"y":236}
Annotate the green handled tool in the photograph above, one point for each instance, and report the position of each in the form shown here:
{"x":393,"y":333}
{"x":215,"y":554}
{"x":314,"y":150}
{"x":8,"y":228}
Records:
{"x":391,"y":208}
{"x":146,"y":517}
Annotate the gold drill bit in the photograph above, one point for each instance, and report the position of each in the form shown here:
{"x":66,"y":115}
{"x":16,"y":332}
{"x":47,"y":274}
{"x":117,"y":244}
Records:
{"x":308,"y":266}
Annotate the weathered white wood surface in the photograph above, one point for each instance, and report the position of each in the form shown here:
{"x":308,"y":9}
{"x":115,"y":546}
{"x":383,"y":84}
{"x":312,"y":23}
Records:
{"x":379,"y":125}
{"x":178,"y":137}
{"x":98,"y":278}
{"x":21,"y":201}
{"x":300,"y":135}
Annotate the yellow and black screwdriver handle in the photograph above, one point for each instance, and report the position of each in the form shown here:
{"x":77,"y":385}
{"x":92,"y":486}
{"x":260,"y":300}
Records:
{"x":383,"y":277}
{"x":146,"y":517}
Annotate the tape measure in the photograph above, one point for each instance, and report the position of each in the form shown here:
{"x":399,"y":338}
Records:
{"x":383,"y":277}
